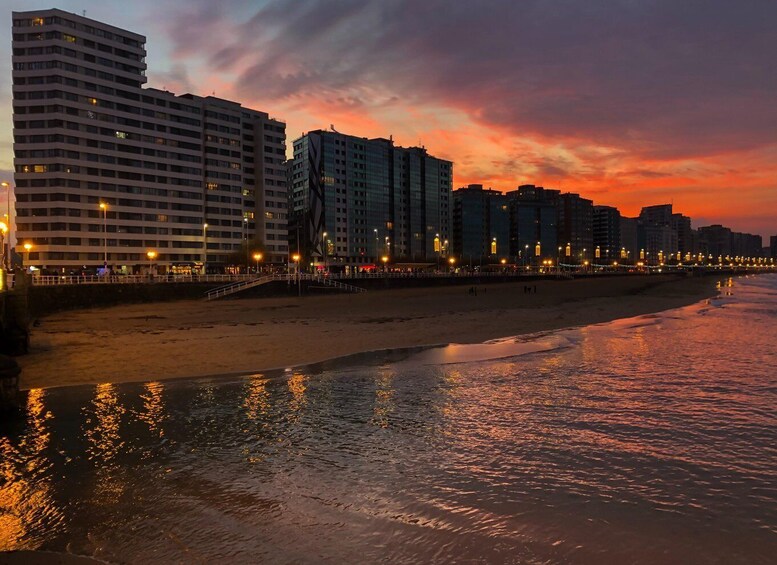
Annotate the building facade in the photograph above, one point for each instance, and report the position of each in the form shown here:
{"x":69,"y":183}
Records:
{"x":108,"y":172}
{"x":773,"y":246}
{"x":656,"y":233}
{"x":533,"y":224}
{"x":607,"y":234}
{"x":481,"y":225}
{"x":355,"y":201}
{"x":629,"y":240}
{"x":575,"y":226}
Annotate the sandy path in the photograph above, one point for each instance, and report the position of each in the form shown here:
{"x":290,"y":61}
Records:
{"x":193,"y":338}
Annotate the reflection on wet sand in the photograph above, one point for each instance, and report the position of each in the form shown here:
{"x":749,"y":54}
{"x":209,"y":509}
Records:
{"x":28,"y":510}
{"x":644,"y":440}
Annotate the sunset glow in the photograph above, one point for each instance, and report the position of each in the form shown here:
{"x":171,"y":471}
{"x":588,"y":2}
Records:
{"x":629,"y":104}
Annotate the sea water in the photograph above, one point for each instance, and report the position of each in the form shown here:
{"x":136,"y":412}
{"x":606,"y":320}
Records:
{"x":646,"y":440}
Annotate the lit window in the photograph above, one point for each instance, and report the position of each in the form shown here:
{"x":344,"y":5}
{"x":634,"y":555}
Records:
{"x":37,"y":21}
{"x":93,"y":101}
{"x":121,"y":134}
{"x":69,"y":38}
{"x":40,"y":168}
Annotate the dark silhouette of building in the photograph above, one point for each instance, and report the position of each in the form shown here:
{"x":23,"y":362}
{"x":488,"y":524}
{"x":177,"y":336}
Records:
{"x":773,"y":246}
{"x":629,"y":251}
{"x":607,"y":233}
{"x":533,"y":223}
{"x":575,"y":225}
{"x":481,"y":224}
{"x":657,"y":237}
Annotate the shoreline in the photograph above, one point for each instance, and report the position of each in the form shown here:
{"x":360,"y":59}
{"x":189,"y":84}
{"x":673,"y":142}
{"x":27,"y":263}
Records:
{"x":176,"y":340}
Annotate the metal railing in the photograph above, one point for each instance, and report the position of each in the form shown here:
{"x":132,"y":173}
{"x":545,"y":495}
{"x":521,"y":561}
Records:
{"x":565,"y":271}
{"x":342,"y":286}
{"x":238,"y":286}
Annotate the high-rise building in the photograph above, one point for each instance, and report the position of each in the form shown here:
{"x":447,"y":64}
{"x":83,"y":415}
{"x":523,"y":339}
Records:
{"x":481,"y":224}
{"x":773,"y":246}
{"x":715,"y":241}
{"x":607,"y":233}
{"x":575,"y":225}
{"x":107,"y":170}
{"x":746,"y":245}
{"x":629,"y":251}
{"x":533,"y":223}
{"x":685,"y":235}
{"x":656,"y":235}
{"x":355,"y":200}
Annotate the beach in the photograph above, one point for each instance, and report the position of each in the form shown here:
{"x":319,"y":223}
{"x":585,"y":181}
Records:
{"x":193,"y":338}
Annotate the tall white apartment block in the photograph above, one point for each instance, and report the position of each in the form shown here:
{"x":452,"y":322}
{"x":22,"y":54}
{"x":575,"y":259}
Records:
{"x":107,"y":170}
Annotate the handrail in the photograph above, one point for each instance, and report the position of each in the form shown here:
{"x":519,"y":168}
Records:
{"x":343,"y":286}
{"x":566,"y":270}
{"x":237,"y":287}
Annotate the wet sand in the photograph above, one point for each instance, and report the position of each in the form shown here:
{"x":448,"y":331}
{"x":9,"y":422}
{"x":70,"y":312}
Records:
{"x":190,"y":338}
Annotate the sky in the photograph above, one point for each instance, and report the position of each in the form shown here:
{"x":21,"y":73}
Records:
{"x":627,"y":102}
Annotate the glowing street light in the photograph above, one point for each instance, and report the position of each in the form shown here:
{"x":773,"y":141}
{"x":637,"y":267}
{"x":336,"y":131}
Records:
{"x":204,"y":247}
{"x":257,"y":257}
{"x":9,"y":225}
{"x":151,"y":254}
{"x":104,"y":208}
{"x":27,"y":247}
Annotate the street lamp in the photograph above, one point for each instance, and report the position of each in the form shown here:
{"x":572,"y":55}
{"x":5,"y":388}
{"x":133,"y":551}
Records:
{"x":257,"y":258}
{"x":151,"y":254}
{"x":27,"y":248}
{"x":104,"y":208}
{"x":204,"y":247}
{"x":245,"y":232}
{"x":3,"y":232}
{"x":9,"y":225}
{"x":296,"y":258}
{"x":324,"y":250}
{"x":385,"y":260}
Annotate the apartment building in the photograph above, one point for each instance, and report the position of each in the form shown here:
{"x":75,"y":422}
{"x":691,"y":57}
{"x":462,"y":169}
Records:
{"x":356,"y":200}
{"x":108,"y":171}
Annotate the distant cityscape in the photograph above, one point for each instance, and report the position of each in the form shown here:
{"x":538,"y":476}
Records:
{"x":110,"y":174}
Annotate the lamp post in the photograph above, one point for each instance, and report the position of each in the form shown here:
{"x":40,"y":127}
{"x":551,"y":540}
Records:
{"x":104,"y":208}
{"x":9,"y":222}
{"x":204,"y":248}
{"x":3,"y":232}
{"x":257,"y":258}
{"x":151,"y":254}
{"x":324,"y":250}
{"x":27,"y":248}
{"x":245,"y":235}
{"x":376,"y":244}
{"x":296,"y":258}
{"x":385,"y":261}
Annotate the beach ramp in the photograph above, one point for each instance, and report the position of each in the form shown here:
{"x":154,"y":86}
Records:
{"x":239,"y":286}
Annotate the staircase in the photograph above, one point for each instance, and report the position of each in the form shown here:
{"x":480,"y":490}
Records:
{"x":342,"y":286}
{"x":240,"y":286}
{"x":232,"y":288}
